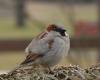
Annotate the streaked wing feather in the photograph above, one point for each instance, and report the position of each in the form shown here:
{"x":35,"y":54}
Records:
{"x":50,"y":43}
{"x":30,"y":58}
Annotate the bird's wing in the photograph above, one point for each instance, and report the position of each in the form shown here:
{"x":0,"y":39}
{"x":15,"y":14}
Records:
{"x":30,"y":58}
{"x":40,"y":45}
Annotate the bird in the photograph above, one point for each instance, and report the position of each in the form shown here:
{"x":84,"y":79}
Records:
{"x":49,"y":47}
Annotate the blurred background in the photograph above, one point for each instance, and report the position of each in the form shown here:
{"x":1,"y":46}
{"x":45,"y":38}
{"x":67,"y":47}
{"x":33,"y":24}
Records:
{"x":21,"y":20}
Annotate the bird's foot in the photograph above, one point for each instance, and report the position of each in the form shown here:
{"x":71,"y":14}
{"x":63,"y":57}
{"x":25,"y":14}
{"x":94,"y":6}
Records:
{"x":51,"y":72}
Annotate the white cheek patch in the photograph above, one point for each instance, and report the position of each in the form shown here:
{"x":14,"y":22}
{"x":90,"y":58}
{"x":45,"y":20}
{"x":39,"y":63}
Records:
{"x":66,"y":34}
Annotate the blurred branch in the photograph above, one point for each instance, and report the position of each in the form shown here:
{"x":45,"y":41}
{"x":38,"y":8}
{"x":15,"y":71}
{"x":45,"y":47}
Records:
{"x":98,"y":33}
{"x":59,"y":73}
{"x":98,"y":5}
{"x":20,"y":15}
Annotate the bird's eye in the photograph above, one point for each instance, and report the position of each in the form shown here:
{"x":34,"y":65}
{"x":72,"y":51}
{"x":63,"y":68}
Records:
{"x":62,"y":33}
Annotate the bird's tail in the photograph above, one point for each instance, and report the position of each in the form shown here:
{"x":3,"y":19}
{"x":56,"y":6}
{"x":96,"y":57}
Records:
{"x":20,"y":66}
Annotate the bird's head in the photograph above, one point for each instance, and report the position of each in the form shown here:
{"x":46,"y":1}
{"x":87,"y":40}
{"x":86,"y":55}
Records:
{"x":57,"y":28}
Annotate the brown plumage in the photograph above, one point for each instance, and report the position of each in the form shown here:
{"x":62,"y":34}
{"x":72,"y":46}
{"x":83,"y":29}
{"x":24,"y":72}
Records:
{"x":51,"y":27}
{"x":30,"y":58}
{"x":48,"y":48}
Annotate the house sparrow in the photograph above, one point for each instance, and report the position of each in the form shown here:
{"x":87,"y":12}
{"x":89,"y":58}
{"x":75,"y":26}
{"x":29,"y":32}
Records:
{"x":48,"y":48}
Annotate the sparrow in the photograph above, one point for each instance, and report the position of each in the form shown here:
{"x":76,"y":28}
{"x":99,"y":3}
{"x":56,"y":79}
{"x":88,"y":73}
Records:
{"x":48,"y":48}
